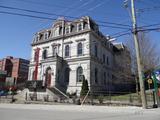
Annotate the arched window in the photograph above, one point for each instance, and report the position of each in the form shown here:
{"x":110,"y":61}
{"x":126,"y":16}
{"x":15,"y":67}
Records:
{"x":96,"y":75}
{"x":67,"y":50}
{"x":44,"y":54}
{"x":79,"y":74}
{"x":96,"y":50}
{"x":79,"y":49}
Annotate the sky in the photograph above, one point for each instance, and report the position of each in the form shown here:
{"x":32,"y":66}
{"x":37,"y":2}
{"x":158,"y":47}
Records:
{"x":17,"y":31}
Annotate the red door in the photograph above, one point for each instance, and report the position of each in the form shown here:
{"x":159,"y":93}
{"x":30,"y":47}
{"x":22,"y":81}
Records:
{"x":48,"y":77}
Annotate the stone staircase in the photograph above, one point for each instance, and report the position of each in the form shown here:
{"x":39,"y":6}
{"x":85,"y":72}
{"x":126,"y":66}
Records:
{"x":57,"y":93}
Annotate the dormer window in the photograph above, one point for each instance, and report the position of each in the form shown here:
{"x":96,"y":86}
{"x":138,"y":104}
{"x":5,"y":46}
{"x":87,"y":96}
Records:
{"x":37,"y":38}
{"x":80,"y":26}
{"x":46,"y":36}
{"x":56,"y":31}
{"x":67,"y":30}
{"x":60,"y":30}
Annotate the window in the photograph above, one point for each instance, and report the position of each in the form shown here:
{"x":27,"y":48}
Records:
{"x":104,"y":78}
{"x":54,"y":51}
{"x":79,"y":49}
{"x":46,"y":36}
{"x":67,"y":30}
{"x":58,"y":75}
{"x":35,"y":56}
{"x":79,"y":74}
{"x":67,"y":50}
{"x":108,"y":76}
{"x":48,"y":77}
{"x":96,"y":75}
{"x":96,"y":50}
{"x":33,"y":75}
{"x":44,"y":54}
{"x":56,"y":32}
{"x":80,"y":27}
{"x":107,"y":60}
{"x":37,"y":38}
{"x":60,"y":30}
{"x":104,"y":58}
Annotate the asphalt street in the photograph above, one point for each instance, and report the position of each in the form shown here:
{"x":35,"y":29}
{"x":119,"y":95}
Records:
{"x":73,"y":112}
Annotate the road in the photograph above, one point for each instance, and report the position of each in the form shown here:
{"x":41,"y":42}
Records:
{"x":73,"y":112}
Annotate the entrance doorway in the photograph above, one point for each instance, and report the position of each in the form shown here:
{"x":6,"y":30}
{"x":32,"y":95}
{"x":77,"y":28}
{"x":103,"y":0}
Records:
{"x":48,"y":77}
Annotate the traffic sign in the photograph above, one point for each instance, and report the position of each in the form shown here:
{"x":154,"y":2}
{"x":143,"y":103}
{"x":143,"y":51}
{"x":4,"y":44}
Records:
{"x":150,"y":81}
{"x":157,"y":75}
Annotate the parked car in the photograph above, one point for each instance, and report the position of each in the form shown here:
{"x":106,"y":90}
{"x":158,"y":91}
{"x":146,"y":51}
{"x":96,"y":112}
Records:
{"x":3,"y":93}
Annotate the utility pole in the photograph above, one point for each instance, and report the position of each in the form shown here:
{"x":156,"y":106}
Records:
{"x":140,"y":75}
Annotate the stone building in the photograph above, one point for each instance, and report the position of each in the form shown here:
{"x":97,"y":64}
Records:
{"x":123,"y":79}
{"x":70,"y":50}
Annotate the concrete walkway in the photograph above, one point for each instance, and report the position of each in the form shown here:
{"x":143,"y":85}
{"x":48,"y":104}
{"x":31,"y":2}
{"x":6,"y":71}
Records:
{"x":75,"y":112}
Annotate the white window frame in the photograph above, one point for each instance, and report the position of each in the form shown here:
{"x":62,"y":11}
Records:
{"x":78,"y":26}
{"x":56,"y":31}
{"x":78,"y":49}
{"x":68,"y":52}
{"x":46,"y":36}
{"x":69,"y":29}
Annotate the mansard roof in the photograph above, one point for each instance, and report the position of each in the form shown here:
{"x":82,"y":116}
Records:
{"x":65,"y":28}
{"x":61,"y":24}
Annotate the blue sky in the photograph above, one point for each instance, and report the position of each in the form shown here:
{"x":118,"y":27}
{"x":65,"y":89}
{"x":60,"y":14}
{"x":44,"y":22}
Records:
{"x":16,"y":32}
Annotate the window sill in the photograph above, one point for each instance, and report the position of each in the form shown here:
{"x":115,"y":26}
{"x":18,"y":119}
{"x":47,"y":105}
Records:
{"x":79,"y":82}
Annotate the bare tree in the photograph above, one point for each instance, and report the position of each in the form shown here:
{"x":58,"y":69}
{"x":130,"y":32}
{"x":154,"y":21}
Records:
{"x":148,"y":52}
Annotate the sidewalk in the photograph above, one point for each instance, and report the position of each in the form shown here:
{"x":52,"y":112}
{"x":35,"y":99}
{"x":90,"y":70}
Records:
{"x":85,"y":108}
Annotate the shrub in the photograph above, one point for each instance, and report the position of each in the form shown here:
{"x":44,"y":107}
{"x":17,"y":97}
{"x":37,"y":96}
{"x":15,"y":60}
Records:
{"x":100,"y":99}
{"x":84,"y":88}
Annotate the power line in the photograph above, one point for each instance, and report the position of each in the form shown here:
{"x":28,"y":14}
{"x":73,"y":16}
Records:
{"x":46,"y":13}
{"x":33,"y":16}
{"x":150,"y":29}
{"x":148,"y":9}
{"x":102,"y":25}
{"x":120,"y":32}
{"x":33,"y":11}
{"x":122,"y":35}
{"x":46,"y":4}
{"x":151,"y":25}
{"x":93,"y":7}
{"x":113,"y":23}
{"x":26,"y":15}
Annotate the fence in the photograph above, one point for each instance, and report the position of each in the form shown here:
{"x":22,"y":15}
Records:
{"x":117,"y":98}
